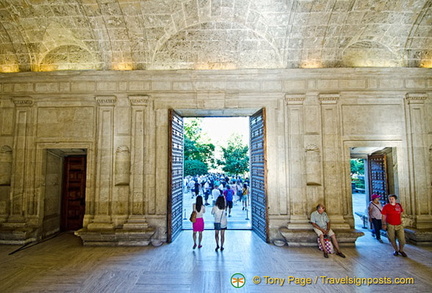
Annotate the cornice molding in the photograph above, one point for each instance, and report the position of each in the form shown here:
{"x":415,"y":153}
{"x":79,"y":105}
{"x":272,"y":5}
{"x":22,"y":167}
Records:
{"x":416,"y":98}
{"x":139,"y":100}
{"x":106,"y":100}
{"x":23,"y":101}
{"x":329,"y":98}
{"x":294,"y":99}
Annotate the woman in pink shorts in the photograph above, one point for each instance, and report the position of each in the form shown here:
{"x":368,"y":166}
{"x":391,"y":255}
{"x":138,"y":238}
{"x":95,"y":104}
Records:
{"x":198,"y":226}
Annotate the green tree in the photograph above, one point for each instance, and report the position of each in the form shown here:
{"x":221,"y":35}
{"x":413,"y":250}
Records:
{"x":235,"y":156}
{"x":194,"y":167}
{"x":196,"y":148}
{"x":357,"y":166}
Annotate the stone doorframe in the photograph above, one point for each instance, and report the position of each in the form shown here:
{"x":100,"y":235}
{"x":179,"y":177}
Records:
{"x":402,"y":167}
{"x":40,"y":174}
{"x":207,"y":113}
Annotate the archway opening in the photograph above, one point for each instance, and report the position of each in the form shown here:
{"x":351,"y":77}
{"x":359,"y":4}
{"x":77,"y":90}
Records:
{"x":177,"y":215}
{"x":373,"y":171}
{"x":216,"y":159}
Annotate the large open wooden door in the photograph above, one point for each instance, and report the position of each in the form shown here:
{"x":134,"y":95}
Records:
{"x":73,"y":193}
{"x":175,"y":177}
{"x":378,"y":184}
{"x":258,"y":172}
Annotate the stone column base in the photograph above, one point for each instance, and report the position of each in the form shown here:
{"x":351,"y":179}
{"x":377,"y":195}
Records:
{"x":308,"y":237}
{"x":116,"y":237}
{"x":419,"y":236}
{"x":17,"y":235}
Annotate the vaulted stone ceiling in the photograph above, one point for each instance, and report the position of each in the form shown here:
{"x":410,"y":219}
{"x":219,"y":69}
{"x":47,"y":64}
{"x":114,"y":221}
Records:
{"x":50,"y":35}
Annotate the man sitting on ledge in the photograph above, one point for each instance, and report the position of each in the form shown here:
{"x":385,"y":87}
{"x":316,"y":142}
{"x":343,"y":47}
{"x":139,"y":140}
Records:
{"x":321,"y":226}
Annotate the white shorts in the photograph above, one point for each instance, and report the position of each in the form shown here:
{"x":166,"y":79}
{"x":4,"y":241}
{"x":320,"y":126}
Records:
{"x":319,"y":232}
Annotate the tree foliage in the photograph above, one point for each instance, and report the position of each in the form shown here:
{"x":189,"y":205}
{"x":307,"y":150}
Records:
{"x":357,"y":166}
{"x":235,"y":156}
{"x":195,"y":147}
{"x":194,"y":167}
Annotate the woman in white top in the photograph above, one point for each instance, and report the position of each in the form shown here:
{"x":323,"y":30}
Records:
{"x":220,"y":221}
{"x":198,"y":226}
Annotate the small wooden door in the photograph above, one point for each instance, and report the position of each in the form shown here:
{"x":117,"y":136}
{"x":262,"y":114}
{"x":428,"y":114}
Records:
{"x":175,"y":177}
{"x":378,"y":184}
{"x":73,"y":193}
{"x":258,"y":190}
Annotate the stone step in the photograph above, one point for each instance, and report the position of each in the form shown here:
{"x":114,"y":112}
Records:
{"x":307,"y":237}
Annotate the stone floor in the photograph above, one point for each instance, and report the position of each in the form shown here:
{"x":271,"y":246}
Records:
{"x":62,"y":264}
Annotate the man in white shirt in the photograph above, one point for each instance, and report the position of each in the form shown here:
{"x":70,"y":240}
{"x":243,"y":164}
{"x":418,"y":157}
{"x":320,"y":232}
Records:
{"x":215,"y":192}
{"x":321,"y":225}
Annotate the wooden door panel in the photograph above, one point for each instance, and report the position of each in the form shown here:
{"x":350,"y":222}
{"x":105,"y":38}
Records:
{"x":175,"y":177}
{"x":73,"y":195}
{"x":258,"y":190}
{"x":377,"y":168}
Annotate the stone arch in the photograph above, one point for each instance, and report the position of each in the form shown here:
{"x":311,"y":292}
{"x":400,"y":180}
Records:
{"x":419,"y":38}
{"x":242,"y":15}
{"x":370,"y":54}
{"x":68,"y":58}
{"x":64,"y":51}
{"x":231,"y":46}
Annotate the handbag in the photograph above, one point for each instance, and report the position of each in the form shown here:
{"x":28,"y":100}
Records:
{"x":328,"y":245}
{"x":192,"y":217}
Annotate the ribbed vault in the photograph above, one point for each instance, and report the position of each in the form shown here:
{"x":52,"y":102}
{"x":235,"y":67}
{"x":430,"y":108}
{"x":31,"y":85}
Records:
{"x":48,"y":35}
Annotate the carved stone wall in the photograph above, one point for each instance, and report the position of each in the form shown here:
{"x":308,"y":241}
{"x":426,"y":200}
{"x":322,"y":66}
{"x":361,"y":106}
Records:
{"x":121,"y":119}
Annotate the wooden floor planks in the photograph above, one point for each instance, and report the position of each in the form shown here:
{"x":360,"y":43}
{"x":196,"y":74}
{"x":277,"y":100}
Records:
{"x":62,"y":264}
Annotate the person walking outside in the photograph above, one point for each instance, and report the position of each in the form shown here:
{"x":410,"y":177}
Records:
{"x":392,"y":222}
{"x":245,"y":196}
{"x":198,"y":225}
{"x":375,"y":216}
{"x":215,"y":193}
{"x":229,"y":194}
{"x":220,"y":222}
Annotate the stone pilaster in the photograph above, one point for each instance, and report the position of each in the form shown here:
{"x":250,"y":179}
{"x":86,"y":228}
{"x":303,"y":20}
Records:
{"x":22,"y":197}
{"x":104,"y":164}
{"x":296,"y":158}
{"x":137,"y":196}
{"x":420,"y":203}
{"x":332,"y":159}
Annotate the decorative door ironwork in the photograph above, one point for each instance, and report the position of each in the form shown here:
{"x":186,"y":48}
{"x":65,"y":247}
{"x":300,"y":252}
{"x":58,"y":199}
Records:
{"x":378,"y":176}
{"x":258,"y":190}
{"x":175,"y":178}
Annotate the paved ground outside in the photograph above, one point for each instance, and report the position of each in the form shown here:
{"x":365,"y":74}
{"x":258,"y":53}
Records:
{"x":241,"y":219}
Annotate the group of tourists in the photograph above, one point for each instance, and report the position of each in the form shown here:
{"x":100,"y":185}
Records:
{"x":223,"y":191}
{"x":387,"y":218}
{"x":211,"y":185}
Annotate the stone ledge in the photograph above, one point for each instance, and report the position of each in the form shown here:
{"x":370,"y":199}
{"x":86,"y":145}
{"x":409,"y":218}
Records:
{"x":419,"y":236}
{"x":306,"y":237}
{"x":17,"y":236}
{"x":116,"y":237}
